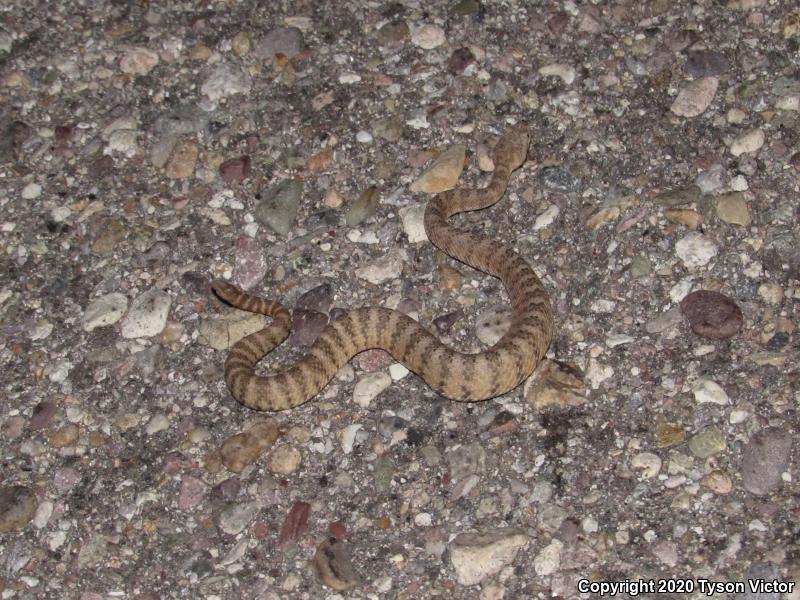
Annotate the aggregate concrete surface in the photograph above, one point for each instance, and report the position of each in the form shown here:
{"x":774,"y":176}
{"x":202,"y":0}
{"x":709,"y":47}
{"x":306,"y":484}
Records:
{"x":150,"y":147}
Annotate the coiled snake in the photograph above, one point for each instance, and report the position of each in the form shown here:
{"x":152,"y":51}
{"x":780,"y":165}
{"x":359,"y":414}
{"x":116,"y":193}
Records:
{"x":456,"y":375}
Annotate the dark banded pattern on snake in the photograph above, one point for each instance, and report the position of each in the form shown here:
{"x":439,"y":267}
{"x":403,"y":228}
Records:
{"x":455,"y":375}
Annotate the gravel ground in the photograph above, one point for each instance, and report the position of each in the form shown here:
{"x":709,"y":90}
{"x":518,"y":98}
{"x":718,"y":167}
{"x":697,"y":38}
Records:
{"x":148,"y":148}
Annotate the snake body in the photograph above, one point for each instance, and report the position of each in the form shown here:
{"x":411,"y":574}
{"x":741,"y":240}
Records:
{"x":453,"y":374}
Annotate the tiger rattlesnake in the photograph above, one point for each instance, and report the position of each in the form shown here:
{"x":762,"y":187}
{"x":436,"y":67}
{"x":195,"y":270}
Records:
{"x":455,"y":375}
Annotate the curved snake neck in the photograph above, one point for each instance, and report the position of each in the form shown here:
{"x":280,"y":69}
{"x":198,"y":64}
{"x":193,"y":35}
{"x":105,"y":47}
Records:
{"x":456,"y":375}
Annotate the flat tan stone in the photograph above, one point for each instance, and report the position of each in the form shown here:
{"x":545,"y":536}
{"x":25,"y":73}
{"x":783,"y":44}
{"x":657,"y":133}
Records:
{"x":443,"y":173}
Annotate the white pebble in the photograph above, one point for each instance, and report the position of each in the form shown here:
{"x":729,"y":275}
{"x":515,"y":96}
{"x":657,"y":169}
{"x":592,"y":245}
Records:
{"x":597,"y":373}
{"x":56,"y":539}
{"x":739,"y":184}
{"x":679,"y":291}
{"x":423,"y":520}
{"x":43,"y":513}
{"x":397,"y":371}
{"x":105,"y":310}
{"x":772,"y":293}
{"x":31,"y":191}
{"x":549,"y":559}
{"x":124,"y":141}
{"x":349,"y":77}
{"x":60,"y":213}
{"x":58,"y":373}
{"x":589,"y":524}
{"x":704,"y":349}
{"x":364,"y":137}
{"x":546,"y":218}
{"x":705,"y":390}
{"x":738,"y":415}
{"x":147,"y":315}
{"x":224,"y":81}
{"x":347,"y":437}
{"x":427,"y":36}
{"x":735,"y":116}
{"x":138,"y":61}
{"x":619,"y":339}
{"x":748,"y":142}
{"x":789,"y":102}
{"x":369,"y":386}
{"x":695,"y":250}
{"x":563,"y":71}
{"x":413,"y":223}
{"x":157,"y":423}
{"x":648,"y":463}
{"x":695,"y":97}
{"x":41,"y":330}
{"x":383,"y":269}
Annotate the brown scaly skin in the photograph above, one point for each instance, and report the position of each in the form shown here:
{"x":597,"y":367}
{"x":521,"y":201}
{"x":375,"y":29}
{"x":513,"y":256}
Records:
{"x":458,"y":376}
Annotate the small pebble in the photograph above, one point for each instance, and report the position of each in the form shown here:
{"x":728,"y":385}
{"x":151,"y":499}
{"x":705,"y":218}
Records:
{"x":347,"y":437}
{"x":764,"y":459}
{"x":18,"y":506}
{"x":771,"y":293}
{"x":333,"y":565}
{"x":244,"y":448}
{"x":546,"y":217}
{"x":667,"y":553}
{"x":105,"y":310}
{"x":563,"y":71}
{"x":477,"y":556}
{"x":369,"y":387}
{"x":695,"y":97}
{"x":412,"y":218}
{"x":664,"y":322}
{"x":648,"y":463}
{"x":147,"y":315}
{"x":705,"y":390}
{"x":279,"y":204}
{"x":284,"y":460}
{"x":235,"y":517}
{"x":718,"y":482}
{"x":695,"y":250}
{"x":225,"y":80}
{"x":443,"y":173}
{"x":31,"y":191}
{"x":548,"y":560}
{"x":707,"y":443}
{"x":235,"y":170}
{"x":711,"y":314}
{"x":294,"y":525}
{"x":138,"y":61}
{"x":748,"y":142}
{"x":732,"y":208}
{"x":383,"y":269}
{"x":183,"y":160}
{"x":428,"y":36}
{"x":363,"y":208}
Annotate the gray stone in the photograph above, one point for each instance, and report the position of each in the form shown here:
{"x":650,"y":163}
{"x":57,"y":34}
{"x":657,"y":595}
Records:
{"x":278,"y":208}
{"x":764,"y":459}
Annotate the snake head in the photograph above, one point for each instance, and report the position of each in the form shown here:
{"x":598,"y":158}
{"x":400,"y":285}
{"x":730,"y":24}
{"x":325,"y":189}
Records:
{"x":226,"y":291}
{"x":512,"y":149}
